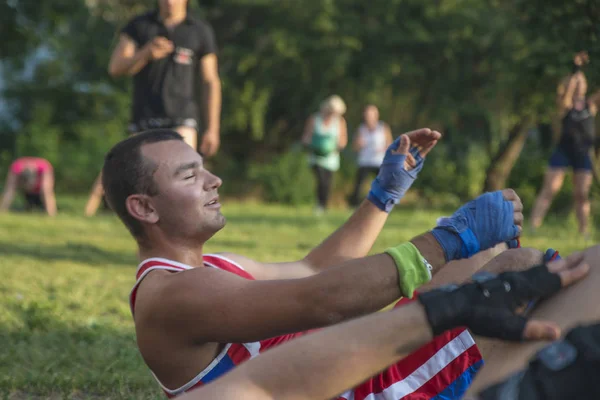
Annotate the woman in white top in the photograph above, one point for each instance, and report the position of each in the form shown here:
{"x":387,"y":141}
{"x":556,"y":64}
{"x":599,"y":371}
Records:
{"x":370,"y":142}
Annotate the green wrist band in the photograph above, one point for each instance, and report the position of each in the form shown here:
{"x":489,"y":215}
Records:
{"x":413,"y":269}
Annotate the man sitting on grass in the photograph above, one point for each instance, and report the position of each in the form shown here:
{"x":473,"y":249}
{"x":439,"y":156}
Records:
{"x":197,"y":316}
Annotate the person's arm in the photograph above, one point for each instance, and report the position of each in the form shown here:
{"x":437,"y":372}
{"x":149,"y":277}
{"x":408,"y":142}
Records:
{"x":355,"y":238}
{"x":10,"y":188}
{"x":594,"y":102}
{"x":127,"y":59}
{"x":323,"y":364}
{"x":358,"y":142}
{"x":211,"y":89}
{"x":47,"y":192}
{"x":426,"y":244}
{"x":566,"y":99}
{"x":343,"y":134}
{"x":308,"y":131}
{"x":499,"y":220}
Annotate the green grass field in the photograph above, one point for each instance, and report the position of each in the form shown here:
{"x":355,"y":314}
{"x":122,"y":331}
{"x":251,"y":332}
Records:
{"x":65,"y":325}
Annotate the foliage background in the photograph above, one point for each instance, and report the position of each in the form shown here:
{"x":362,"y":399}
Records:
{"x":484,"y":72}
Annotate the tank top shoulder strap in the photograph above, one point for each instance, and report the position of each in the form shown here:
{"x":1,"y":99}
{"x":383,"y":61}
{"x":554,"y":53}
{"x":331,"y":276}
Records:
{"x":151,"y":264}
{"x":223,"y":263}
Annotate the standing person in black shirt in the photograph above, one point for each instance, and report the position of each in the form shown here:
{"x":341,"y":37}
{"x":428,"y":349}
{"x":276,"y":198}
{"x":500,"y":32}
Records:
{"x":573,"y":150}
{"x":165,"y":51}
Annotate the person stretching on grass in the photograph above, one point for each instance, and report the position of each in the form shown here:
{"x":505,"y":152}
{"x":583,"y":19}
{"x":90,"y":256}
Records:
{"x":34,"y":178}
{"x":199,"y":315}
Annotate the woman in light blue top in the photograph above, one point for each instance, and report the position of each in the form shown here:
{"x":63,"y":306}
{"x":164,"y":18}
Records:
{"x":325,"y":135}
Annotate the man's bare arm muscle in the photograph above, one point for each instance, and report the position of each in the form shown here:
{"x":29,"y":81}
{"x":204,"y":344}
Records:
{"x":209,"y":305}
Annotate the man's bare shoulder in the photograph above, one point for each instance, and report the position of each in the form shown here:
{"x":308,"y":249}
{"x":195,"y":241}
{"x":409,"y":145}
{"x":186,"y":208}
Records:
{"x":165,"y":296}
{"x":253,"y":267}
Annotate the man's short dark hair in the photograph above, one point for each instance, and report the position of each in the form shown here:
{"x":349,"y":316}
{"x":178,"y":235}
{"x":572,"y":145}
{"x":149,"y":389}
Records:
{"x":126,"y":172}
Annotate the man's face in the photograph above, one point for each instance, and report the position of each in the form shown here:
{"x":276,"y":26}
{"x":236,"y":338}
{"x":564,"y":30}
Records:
{"x":371,"y":115}
{"x":172,"y":7}
{"x":187,"y":204}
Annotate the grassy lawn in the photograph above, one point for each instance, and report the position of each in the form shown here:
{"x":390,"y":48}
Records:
{"x":65,"y":325}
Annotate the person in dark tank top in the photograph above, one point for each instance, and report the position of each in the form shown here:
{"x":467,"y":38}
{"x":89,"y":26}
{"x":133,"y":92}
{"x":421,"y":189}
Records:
{"x":573,"y":151}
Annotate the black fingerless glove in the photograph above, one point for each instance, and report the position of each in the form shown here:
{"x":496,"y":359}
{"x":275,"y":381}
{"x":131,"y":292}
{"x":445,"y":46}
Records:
{"x":488,"y":305}
{"x":567,"y":369}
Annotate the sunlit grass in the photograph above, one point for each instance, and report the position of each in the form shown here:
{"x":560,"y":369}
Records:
{"x":65,"y":326}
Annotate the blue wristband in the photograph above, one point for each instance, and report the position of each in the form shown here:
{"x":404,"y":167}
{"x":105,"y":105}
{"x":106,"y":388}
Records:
{"x":381,"y":198}
{"x":393,"y":181}
{"x":450,"y":243}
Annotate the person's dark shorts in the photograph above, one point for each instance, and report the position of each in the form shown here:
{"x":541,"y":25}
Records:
{"x":33,"y":201}
{"x":562,"y":159}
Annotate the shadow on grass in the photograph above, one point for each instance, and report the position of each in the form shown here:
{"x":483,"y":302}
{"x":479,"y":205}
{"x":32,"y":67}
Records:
{"x":76,"y":252}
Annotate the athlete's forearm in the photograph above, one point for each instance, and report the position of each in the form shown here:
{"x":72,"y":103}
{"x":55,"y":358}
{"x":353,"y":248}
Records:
{"x":352,"y":289}
{"x":325,"y":363}
{"x":352,"y":240}
{"x":431,"y":250}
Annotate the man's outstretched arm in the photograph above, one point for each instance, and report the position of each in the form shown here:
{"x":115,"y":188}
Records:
{"x":323,"y":364}
{"x":355,"y":238}
{"x":491,"y":219}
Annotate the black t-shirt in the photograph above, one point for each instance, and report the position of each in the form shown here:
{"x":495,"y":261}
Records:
{"x":578,"y":132}
{"x":166,"y":88}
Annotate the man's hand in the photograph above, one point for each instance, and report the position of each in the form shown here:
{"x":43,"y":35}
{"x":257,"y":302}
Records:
{"x":210,"y":143}
{"x":490,"y":219}
{"x":403,"y":160}
{"x":159,"y":47}
{"x":489,"y":306}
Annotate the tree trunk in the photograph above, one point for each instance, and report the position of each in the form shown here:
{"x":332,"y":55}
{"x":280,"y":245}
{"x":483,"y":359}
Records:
{"x":503,"y":162}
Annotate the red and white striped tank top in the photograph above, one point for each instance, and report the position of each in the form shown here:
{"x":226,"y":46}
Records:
{"x":443,"y":369}
{"x":233,"y":353}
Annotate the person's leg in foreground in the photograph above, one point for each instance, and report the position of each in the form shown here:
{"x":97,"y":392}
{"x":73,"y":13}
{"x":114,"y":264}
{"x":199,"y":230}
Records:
{"x":575,"y":305}
{"x":322,"y":364}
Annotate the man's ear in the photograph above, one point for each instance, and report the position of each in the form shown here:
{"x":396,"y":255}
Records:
{"x":140,"y":207}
